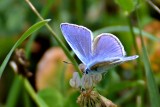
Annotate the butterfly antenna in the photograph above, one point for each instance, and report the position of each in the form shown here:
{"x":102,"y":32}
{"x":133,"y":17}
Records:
{"x":67,"y":62}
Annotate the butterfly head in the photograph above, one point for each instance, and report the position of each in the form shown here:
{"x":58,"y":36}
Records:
{"x":87,"y":71}
{"x":84,"y":68}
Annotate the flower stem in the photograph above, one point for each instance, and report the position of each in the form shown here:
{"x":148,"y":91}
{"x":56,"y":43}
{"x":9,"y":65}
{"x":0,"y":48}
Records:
{"x":154,"y":6}
{"x":133,"y":34}
{"x":139,"y":67}
{"x":140,"y":75}
{"x":33,"y":94}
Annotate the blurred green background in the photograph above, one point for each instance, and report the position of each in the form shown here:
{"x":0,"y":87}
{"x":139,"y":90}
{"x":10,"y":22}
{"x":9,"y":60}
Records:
{"x":125,"y":85}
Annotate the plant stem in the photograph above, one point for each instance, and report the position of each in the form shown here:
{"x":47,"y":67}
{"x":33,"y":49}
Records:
{"x":26,"y":98}
{"x":133,"y":34}
{"x":33,"y":94}
{"x":44,"y":13}
{"x":154,"y":6}
{"x":66,"y":51}
{"x":139,"y":67}
{"x":135,"y":46}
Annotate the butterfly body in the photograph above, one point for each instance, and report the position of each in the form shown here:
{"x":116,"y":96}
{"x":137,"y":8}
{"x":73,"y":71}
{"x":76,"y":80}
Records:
{"x":99,"y":54}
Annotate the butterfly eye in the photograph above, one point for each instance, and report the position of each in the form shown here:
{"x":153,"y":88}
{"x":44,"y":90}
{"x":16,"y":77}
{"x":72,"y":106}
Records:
{"x":87,"y":71}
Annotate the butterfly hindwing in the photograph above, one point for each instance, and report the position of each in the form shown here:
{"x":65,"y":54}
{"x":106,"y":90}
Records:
{"x":105,"y":48}
{"x":102,"y":66}
{"x":107,"y":45}
{"x":107,"y":53}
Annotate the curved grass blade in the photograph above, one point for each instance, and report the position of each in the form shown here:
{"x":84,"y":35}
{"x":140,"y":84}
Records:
{"x":31,"y":30}
{"x":125,"y":29}
{"x":152,"y":86}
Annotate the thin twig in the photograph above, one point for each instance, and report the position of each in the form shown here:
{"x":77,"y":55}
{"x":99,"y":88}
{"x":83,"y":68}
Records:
{"x":153,"y":5}
{"x":38,"y":100}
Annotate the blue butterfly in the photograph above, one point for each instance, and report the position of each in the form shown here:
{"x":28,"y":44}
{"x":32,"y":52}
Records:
{"x":99,"y":54}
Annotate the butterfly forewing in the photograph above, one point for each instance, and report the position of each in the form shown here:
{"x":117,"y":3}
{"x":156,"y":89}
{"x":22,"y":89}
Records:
{"x":80,"y":39}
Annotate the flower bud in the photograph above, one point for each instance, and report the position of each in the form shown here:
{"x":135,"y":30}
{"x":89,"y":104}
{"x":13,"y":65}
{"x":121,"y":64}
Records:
{"x":96,"y":78}
{"x":86,"y":81}
{"x":75,"y":81}
{"x":82,"y":67}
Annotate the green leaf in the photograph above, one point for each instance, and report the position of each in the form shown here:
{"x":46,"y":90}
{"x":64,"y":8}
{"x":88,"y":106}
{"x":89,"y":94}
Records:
{"x":52,"y":97}
{"x":71,"y":99}
{"x":31,"y":30}
{"x":117,"y":87}
{"x":126,"y":98}
{"x":127,"y":5}
{"x":112,"y":29}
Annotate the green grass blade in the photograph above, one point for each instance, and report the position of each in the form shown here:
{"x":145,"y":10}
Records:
{"x":14,"y":94}
{"x":125,"y":29}
{"x":151,"y":83}
{"x":22,"y":38}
